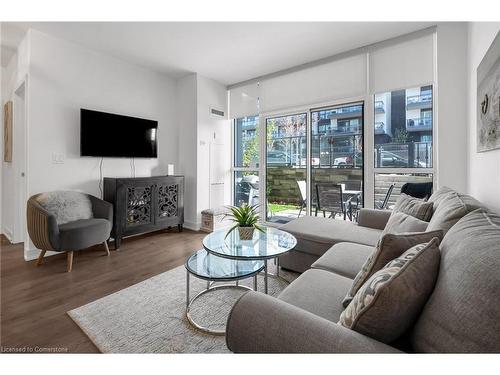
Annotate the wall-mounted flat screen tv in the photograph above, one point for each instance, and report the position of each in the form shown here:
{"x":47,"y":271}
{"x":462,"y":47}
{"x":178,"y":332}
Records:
{"x":110,"y":135}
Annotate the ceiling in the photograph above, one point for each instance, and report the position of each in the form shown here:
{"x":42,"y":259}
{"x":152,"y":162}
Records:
{"x":228,"y":52}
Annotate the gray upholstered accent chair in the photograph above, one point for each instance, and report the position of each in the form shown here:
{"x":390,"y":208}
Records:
{"x":76,"y":235}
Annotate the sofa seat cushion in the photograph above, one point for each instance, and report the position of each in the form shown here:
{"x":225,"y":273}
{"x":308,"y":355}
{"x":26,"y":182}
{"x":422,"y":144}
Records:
{"x":319,"y":292}
{"x":344,"y":258}
{"x":463,"y":313}
{"x":450,"y":207}
{"x":315,"y":235}
{"x":81,"y":234}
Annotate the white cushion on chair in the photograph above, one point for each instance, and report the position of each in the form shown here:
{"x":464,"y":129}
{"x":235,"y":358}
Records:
{"x":66,"y":206}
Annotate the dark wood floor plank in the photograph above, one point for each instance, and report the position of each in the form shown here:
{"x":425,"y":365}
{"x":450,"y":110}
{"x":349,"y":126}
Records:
{"x":34,"y":300}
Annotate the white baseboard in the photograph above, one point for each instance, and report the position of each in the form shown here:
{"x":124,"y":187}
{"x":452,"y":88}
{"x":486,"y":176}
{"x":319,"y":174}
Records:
{"x":192,"y":225}
{"x":7,"y":233}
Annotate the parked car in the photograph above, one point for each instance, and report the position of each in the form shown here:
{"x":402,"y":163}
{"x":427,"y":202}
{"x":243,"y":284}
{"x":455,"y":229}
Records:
{"x":390,"y":159}
{"x":278,"y":157}
{"x":349,"y":161}
{"x":387,"y":159}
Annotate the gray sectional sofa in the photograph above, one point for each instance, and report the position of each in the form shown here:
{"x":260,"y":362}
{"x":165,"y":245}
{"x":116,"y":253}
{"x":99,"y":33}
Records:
{"x":461,"y":315}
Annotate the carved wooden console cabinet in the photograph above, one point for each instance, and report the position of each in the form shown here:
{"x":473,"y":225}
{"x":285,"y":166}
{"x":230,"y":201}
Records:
{"x":144,"y":204}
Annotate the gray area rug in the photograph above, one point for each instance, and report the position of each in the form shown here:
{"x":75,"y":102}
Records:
{"x":149,"y":317}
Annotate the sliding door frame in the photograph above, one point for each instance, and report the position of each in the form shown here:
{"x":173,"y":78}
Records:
{"x":308,"y":109}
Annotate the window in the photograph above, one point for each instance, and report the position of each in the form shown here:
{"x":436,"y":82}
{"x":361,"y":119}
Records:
{"x":246,"y":141}
{"x":384,"y":180}
{"x":246,"y":161}
{"x":403,"y":139}
{"x":403,"y":128}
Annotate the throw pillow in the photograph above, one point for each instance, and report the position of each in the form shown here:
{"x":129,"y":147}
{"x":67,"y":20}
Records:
{"x":389,"y":303}
{"x":414,"y":206}
{"x":404,"y":223}
{"x":66,"y":206}
{"x":389,"y":247}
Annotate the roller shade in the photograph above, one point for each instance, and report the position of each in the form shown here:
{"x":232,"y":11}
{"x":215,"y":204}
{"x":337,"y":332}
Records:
{"x":402,"y":65}
{"x":339,"y":79}
{"x":243,"y":101}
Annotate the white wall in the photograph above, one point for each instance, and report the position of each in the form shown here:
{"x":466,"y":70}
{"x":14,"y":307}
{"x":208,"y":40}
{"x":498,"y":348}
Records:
{"x":483,"y":178}
{"x":451,"y":114}
{"x":188,"y":140}
{"x":198,"y":131}
{"x":64,"y":77}
{"x":213,"y":132}
{"x":10,"y":192}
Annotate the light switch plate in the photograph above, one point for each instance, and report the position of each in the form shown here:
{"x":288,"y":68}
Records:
{"x":57,"y":158}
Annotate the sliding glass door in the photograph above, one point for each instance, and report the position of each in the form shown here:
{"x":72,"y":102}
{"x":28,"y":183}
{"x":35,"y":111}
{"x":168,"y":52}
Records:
{"x":328,"y":178}
{"x":286,"y":167}
{"x":336,"y":183}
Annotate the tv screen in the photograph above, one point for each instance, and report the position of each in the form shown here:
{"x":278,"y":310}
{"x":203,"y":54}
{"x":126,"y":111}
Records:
{"x":109,"y":135}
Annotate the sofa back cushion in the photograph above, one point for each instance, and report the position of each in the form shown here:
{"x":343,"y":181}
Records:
{"x":450,"y":207}
{"x":403,"y":223}
{"x":463,"y":312}
{"x":413,"y":206}
{"x":66,"y":206}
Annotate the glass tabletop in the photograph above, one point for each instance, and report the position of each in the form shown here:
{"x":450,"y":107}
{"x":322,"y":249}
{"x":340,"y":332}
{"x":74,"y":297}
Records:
{"x":270,"y":244}
{"x":211,"y":267}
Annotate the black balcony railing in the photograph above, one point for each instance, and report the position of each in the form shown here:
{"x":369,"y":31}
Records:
{"x":419,"y":123}
{"x":404,"y":155}
{"x":345,"y":110}
{"x":423,"y":98}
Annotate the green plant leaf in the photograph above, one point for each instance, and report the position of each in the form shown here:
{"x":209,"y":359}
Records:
{"x":231,"y":229}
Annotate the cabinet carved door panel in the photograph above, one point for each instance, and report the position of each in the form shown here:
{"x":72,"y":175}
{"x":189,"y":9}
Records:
{"x":139,"y":205}
{"x":168,"y":201}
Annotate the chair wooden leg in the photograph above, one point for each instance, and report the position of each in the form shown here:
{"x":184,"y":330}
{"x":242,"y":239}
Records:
{"x":70,"y":261}
{"x":40,"y":257}
{"x":106,"y":247}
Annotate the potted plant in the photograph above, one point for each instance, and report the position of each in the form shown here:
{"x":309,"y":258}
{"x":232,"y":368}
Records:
{"x":246,"y":219}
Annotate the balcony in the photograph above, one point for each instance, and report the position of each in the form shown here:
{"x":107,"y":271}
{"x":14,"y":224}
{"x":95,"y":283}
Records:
{"x":379,"y":106}
{"x":380,"y":128}
{"x":424,"y":100}
{"x":419,"y":124}
{"x":347,"y":112}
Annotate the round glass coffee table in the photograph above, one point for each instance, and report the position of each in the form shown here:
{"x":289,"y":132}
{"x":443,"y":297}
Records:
{"x":264,"y":246}
{"x":211,"y":268}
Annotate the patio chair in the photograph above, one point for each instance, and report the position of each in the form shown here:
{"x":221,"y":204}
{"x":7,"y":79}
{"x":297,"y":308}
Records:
{"x":353,"y":205}
{"x":420,"y":190}
{"x":303,"y":194}
{"x":383,"y":205}
{"x":329,"y":199}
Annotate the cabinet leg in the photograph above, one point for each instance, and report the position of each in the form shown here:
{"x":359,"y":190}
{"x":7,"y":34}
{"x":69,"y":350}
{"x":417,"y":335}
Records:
{"x":118,"y":242}
{"x":179,"y":226}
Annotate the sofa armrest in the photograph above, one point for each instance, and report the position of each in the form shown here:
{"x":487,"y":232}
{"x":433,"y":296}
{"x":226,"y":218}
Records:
{"x":101,"y":209}
{"x":371,"y":218}
{"x":259,"y":323}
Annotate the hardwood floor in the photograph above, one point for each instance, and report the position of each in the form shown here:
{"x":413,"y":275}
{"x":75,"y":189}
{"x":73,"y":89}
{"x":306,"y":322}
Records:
{"x":34,"y":300}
